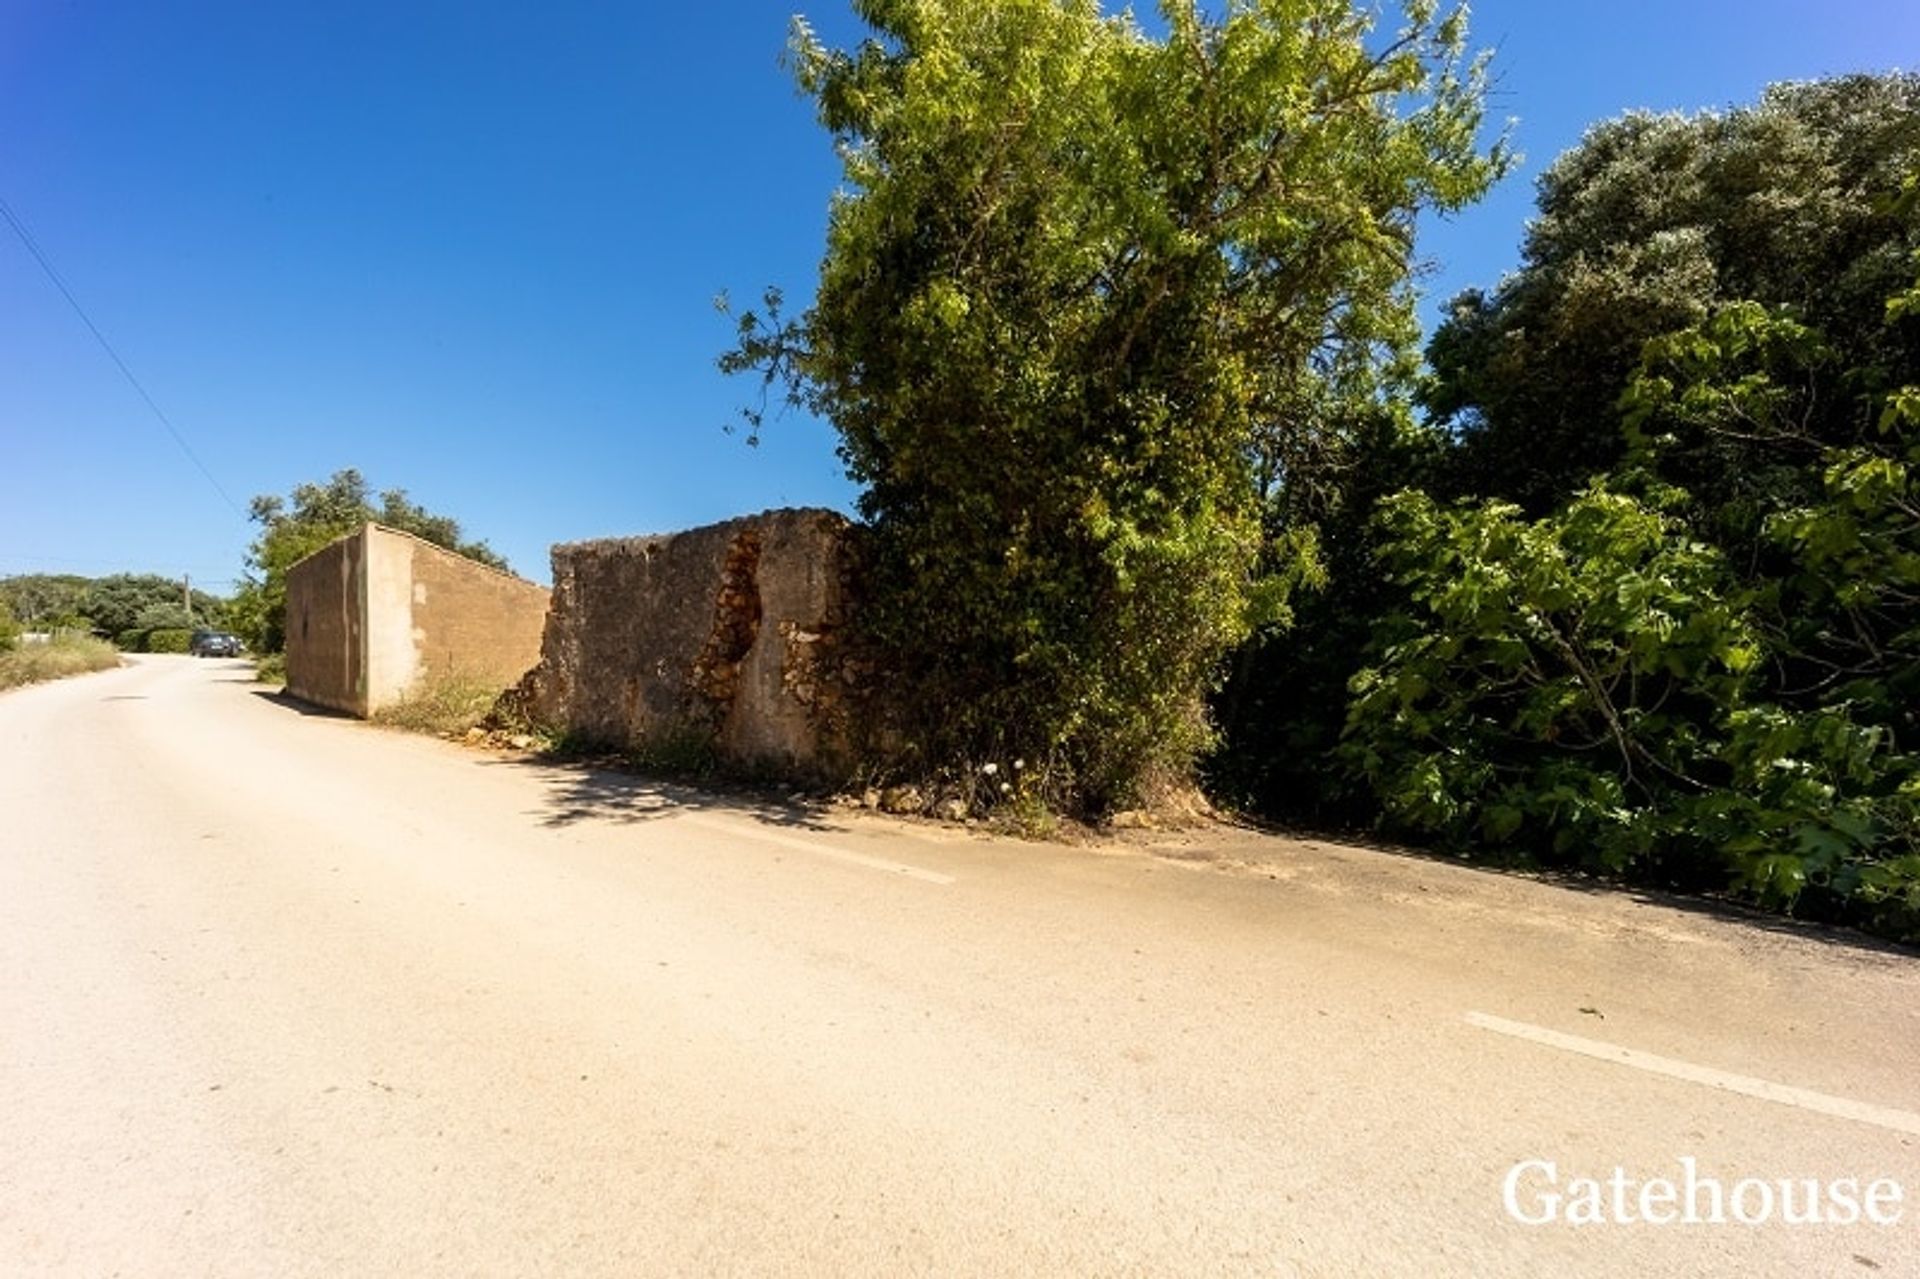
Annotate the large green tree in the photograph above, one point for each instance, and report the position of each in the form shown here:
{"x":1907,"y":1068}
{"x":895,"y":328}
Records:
{"x":43,"y":601}
{"x":1651,"y":224}
{"x":1086,"y":291}
{"x":295,"y":527}
{"x":126,"y":605}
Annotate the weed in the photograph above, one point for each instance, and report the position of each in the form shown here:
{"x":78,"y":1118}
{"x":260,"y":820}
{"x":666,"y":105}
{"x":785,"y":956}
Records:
{"x":449,"y":703}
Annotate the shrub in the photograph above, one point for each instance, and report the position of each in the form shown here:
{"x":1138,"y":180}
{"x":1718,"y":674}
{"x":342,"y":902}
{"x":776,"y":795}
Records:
{"x":169,"y":640}
{"x":61,"y":656}
{"x":1590,"y":689}
{"x":447,"y":703}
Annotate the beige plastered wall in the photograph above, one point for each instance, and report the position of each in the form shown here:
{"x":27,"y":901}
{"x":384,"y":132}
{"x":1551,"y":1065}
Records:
{"x":373,"y":614}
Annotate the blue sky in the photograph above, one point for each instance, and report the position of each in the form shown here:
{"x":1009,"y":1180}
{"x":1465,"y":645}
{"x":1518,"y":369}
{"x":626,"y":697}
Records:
{"x":471,"y":248}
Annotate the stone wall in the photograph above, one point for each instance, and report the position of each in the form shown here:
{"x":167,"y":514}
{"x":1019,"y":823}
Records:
{"x":725,"y":639}
{"x":373,"y":614}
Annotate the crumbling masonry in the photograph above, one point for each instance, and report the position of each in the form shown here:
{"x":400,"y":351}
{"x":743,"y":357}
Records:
{"x":727,"y":639}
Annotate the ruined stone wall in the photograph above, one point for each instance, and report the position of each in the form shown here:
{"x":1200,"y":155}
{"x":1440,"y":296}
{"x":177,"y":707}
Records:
{"x":726,"y":638}
{"x":372,"y":614}
{"x":326,"y":655}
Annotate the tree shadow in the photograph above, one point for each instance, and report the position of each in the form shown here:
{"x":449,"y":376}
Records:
{"x":612,"y":792}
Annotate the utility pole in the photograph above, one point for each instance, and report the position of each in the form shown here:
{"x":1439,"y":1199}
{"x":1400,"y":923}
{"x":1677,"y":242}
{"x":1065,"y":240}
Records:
{"x":186,"y":596}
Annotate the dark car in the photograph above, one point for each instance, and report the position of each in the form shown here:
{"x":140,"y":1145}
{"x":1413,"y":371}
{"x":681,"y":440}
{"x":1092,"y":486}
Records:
{"x":214,"y":644}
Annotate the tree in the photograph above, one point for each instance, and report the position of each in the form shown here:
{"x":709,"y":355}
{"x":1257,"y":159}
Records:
{"x":44,"y":601}
{"x":123,"y":604}
{"x":1651,"y":224}
{"x":292,"y":529}
{"x":1086,"y":291}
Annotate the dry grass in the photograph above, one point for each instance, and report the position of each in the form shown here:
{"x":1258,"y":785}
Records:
{"x":446,"y":705}
{"x":58,"y":658}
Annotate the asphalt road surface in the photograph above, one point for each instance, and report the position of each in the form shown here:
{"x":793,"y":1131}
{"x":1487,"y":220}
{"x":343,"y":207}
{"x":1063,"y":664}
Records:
{"x":289,"y":995}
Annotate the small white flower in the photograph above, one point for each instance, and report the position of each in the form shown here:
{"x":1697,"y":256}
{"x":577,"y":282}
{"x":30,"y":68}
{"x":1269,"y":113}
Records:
{"x":990,"y":769}
{"x":1019,"y":764}
{"x":1005,"y":787}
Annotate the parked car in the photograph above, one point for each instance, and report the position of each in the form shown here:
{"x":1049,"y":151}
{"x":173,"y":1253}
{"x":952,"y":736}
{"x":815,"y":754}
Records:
{"x":214,"y":644}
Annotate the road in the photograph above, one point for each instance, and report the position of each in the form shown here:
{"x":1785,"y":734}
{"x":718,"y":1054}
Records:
{"x":290,"y":995}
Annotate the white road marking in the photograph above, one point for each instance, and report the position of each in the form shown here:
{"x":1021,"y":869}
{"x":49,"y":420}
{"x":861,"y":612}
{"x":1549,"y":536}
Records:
{"x":1746,"y":1085}
{"x":726,"y":826}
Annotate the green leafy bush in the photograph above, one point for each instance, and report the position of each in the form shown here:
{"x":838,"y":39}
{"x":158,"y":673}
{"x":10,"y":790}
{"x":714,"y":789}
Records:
{"x":1609,"y":687}
{"x":1587,"y":690}
{"x":169,"y":640}
{"x":1548,"y":684}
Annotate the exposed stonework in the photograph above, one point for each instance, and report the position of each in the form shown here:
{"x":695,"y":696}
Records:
{"x":715,"y":674}
{"x":373,"y":613}
{"x":727,"y":638}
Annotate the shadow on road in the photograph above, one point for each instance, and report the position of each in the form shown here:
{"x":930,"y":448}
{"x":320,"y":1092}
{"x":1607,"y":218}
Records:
{"x":601,"y":791}
{"x":1363,"y":855}
{"x":286,"y":701}
{"x":604,"y":789}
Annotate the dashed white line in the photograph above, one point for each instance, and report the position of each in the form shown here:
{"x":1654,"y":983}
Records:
{"x":815,"y":847}
{"x":1746,"y":1085}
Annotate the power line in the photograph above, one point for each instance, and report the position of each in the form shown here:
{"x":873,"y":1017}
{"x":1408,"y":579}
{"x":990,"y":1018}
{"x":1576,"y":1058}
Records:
{"x":33,"y":247}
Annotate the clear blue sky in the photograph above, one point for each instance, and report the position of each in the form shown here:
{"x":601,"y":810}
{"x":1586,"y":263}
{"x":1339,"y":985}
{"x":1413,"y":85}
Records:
{"x":470,"y":248}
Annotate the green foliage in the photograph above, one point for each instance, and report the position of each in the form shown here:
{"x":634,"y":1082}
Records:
{"x":10,"y":627}
{"x":44,"y":601}
{"x":1589,"y":689}
{"x":1607,"y":686}
{"x":1650,"y":225}
{"x":1802,"y":466}
{"x":1283,"y":706}
{"x":168,"y":640}
{"x":57,"y":658}
{"x":1686,"y":648}
{"x":1085,"y":294}
{"x":159,"y":617}
{"x":314,"y":515}
{"x":1550,"y":676}
{"x":139,"y":602}
{"x":124,"y":605}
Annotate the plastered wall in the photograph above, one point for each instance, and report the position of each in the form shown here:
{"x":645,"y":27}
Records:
{"x":373,"y":614}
